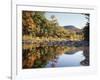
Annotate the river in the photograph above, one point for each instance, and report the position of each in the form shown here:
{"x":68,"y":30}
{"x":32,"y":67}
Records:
{"x":55,"y":56}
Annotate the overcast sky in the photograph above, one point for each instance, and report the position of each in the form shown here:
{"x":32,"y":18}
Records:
{"x":64,"y":19}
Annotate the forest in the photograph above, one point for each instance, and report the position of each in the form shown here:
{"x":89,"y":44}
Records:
{"x":36,"y":27}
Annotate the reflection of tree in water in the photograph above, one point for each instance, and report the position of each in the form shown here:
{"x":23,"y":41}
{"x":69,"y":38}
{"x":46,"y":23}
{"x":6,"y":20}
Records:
{"x":41,"y":56}
{"x":54,"y":62}
{"x":38,"y":57}
{"x":85,"y":62}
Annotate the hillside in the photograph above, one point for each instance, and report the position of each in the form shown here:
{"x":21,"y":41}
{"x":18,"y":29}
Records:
{"x":72,"y":28}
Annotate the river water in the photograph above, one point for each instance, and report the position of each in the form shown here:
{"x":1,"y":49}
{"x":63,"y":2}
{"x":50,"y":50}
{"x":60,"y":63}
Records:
{"x":66,"y":60}
{"x":55,"y":56}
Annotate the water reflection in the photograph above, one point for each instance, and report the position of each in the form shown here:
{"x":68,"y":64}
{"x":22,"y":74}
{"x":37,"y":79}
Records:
{"x":54,"y":56}
{"x":67,"y":60}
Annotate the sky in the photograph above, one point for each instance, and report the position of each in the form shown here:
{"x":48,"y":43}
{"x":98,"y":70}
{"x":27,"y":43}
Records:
{"x":75,"y":19}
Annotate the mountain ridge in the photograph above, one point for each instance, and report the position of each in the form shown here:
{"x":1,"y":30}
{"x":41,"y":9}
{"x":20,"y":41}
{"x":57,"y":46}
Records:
{"x":72,"y":28}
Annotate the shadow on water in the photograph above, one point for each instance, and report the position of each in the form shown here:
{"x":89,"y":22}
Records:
{"x":54,"y":56}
